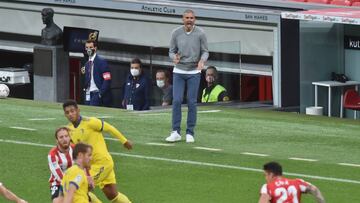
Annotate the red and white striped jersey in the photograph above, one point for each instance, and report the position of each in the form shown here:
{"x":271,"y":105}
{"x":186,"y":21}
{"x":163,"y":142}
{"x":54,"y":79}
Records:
{"x":58,"y":163}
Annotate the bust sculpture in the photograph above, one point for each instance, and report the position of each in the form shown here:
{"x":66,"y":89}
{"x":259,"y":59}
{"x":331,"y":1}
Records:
{"x":51,"y":34}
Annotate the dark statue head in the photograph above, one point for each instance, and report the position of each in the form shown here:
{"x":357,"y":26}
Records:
{"x":47,"y":15}
{"x":51,"y":34}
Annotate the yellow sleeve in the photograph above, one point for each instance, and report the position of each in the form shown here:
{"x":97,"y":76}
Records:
{"x":114,"y":132}
{"x":95,"y":124}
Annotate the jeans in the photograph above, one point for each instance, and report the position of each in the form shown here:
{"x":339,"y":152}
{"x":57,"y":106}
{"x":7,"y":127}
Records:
{"x":192,"y":82}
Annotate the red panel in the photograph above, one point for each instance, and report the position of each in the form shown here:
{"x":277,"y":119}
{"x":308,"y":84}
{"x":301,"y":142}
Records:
{"x":265,"y":88}
{"x":262,"y":88}
{"x":269,"y":88}
{"x":249,"y":88}
{"x":75,"y":79}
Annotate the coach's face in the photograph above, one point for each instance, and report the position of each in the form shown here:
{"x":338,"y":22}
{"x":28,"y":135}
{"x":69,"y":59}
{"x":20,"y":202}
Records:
{"x":63,"y":139}
{"x":188,"y":20}
{"x":72,"y":113}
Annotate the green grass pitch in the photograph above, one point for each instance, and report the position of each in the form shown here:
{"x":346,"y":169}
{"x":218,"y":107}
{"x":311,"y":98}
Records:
{"x":181,"y":173}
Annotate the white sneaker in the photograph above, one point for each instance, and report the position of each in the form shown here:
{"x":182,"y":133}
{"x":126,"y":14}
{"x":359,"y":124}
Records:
{"x":189,"y":138}
{"x":174,"y":136}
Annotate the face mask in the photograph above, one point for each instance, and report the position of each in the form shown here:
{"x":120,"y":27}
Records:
{"x":160,"y":83}
{"x":210,"y":79}
{"x":135,"y":72}
{"x":90,"y":52}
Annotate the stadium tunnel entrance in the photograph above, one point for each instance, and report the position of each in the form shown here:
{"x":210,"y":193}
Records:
{"x":328,"y":42}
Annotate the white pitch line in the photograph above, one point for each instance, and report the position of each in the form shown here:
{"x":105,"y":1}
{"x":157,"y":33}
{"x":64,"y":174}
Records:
{"x":189,"y":162}
{"x":41,"y":119}
{"x":208,"y":149}
{"x":209,"y":111}
{"x":152,"y":114}
{"x":161,"y":144}
{"x":254,"y":154}
{"x":22,"y":128}
{"x":26,"y":143}
{"x":347,"y":164}
{"x":104,"y":116}
{"x":302,"y":159}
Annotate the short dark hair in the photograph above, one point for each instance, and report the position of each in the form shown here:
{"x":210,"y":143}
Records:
{"x":70,"y":103}
{"x":273,"y":167}
{"x":189,"y":11}
{"x":60,"y":129}
{"x":136,"y":61}
{"x":80,"y":148}
{"x":166,"y":73}
{"x":95,"y":43}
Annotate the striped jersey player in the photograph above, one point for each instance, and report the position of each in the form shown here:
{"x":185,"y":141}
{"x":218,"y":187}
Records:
{"x":59,"y":159}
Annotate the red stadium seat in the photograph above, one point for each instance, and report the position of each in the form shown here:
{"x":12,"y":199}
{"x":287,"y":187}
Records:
{"x":319,"y":1}
{"x":356,"y":4}
{"x":341,"y":2}
{"x":352,"y":100}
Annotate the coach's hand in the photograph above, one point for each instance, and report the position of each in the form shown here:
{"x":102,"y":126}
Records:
{"x":128,"y":145}
{"x":201,"y":65}
{"x":177,"y":58}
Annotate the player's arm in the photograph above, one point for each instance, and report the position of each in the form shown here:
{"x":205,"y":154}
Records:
{"x":311,"y":189}
{"x":71,"y":192}
{"x":55,"y":167}
{"x":264,"y":198}
{"x":116,"y":133}
{"x":9,"y":195}
{"x":89,"y":179}
{"x":100,"y":125}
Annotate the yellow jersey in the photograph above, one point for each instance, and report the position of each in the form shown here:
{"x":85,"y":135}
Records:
{"x":90,"y":131}
{"x":76,"y":176}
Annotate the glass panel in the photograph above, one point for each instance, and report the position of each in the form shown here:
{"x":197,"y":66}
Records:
{"x":226,"y":57}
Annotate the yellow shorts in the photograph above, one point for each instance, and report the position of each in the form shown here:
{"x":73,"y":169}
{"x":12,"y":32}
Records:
{"x":103,"y":175}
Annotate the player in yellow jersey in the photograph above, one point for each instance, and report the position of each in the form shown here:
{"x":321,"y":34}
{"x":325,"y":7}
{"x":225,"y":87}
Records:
{"x":89,"y":130}
{"x":75,"y":184}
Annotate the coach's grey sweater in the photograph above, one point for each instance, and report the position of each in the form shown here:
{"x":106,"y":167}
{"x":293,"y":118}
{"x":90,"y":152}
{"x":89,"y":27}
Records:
{"x":191,"y":47}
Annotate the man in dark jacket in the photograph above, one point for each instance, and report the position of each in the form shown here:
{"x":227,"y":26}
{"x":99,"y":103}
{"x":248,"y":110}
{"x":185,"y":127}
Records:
{"x":136,"y":88}
{"x":97,"y":78}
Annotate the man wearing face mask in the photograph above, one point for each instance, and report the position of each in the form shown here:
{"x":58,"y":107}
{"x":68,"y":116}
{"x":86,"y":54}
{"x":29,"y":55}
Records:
{"x":163,"y":82}
{"x":213,"y":92}
{"x":97,"y":78}
{"x":136,"y":92}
